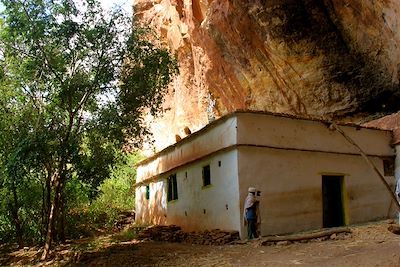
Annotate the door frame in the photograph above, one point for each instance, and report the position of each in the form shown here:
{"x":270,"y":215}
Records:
{"x":343,"y":196}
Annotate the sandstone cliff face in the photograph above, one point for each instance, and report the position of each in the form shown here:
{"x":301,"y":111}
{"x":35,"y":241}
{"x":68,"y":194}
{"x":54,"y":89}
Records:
{"x":317,"y":57}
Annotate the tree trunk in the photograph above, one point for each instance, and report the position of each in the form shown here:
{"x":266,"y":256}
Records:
{"x":61,"y":225}
{"x":17,"y":221}
{"x":48,"y":196}
{"x":52,"y":217}
{"x":305,"y":236}
{"x":58,"y":183}
{"x":44,"y":212}
{"x":370,"y":163}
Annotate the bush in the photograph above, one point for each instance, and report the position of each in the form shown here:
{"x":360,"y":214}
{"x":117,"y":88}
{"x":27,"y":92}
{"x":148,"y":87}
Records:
{"x":116,"y":194}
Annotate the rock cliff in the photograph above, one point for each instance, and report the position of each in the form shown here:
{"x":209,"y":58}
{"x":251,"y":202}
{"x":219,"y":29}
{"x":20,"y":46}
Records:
{"x":331,"y":58}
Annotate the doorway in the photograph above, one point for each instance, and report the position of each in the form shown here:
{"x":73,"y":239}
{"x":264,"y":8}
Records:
{"x":332,"y":198}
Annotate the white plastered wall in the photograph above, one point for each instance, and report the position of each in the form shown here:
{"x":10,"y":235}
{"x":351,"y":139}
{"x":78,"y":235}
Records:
{"x":197,"y":207}
{"x":286,"y":157}
{"x":397,"y":163}
{"x":283,"y":132}
{"x":291,"y":186}
{"x":154,"y":209}
{"x":397,"y":171}
{"x":219,"y":135}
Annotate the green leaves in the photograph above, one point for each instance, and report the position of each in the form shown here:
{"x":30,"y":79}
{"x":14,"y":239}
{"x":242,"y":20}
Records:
{"x":58,"y":59}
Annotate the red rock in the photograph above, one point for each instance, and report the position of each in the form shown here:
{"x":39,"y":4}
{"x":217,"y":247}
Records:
{"x":298,"y":57}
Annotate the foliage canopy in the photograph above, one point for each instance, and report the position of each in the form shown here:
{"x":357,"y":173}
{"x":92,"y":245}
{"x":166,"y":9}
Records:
{"x":75,"y":81}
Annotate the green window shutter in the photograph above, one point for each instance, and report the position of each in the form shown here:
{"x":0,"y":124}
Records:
{"x":169,"y":189}
{"x":147,"y":192}
{"x":175,"y":187}
{"x":172,"y":191}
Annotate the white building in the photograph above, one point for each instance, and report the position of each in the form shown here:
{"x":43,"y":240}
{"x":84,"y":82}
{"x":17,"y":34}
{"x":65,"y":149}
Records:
{"x":309,"y":175}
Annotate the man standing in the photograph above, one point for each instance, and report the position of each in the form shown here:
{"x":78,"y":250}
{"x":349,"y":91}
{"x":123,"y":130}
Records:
{"x":250,"y":213}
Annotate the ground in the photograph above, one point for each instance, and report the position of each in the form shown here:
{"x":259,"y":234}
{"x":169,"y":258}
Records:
{"x":368,"y":245}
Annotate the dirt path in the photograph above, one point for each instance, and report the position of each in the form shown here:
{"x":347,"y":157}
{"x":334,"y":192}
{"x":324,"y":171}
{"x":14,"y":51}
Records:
{"x":368,"y":245}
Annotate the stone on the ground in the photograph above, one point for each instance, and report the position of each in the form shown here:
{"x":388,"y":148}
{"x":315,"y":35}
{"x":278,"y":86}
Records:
{"x":173,"y":233}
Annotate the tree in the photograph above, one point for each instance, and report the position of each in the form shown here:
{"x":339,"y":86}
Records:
{"x":62,"y":59}
{"x":14,"y":140}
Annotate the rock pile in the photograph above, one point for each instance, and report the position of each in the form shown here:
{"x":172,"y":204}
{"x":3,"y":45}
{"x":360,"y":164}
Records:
{"x":395,"y":229}
{"x":173,"y":233}
{"x":125,"y":220}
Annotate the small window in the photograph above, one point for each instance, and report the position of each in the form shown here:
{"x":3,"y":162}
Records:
{"x":172,"y":193}
{"x":388,"y":167}
{"x":206,"y":175}
{"x":147,"y":192}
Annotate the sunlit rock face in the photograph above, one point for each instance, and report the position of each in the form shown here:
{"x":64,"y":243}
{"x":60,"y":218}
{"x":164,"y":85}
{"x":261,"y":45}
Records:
{"x":330,"y":58}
